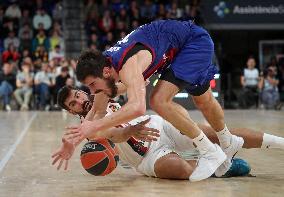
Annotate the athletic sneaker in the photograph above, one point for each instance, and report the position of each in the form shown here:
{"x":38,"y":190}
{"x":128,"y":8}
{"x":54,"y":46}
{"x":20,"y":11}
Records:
{"x":207,"y":164}
{"x":235,"y":146}
{"x":239,"y":167}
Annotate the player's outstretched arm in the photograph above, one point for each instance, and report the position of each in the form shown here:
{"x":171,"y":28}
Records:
{"x":139,"y":131}
{"x":120,"y":134}
{"x":64,"y":153}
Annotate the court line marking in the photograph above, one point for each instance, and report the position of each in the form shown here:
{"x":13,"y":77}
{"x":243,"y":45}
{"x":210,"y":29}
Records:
{"x":12,"y":149}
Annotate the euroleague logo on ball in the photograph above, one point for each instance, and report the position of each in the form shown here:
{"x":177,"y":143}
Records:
{"x":221,"y":9}
{"x":89,"y":146}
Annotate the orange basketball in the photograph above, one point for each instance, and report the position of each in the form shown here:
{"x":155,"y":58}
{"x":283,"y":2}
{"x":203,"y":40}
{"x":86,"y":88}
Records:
{"x":99,"y":157}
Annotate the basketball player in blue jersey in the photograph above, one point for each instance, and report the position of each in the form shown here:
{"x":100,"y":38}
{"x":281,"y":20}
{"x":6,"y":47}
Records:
{"x":182,"y":53}
{"x":160,"y":155}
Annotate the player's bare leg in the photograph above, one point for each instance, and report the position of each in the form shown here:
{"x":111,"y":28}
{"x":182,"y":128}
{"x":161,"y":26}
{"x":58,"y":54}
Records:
{"x":180,"y":168}
{"x":161,"y":102}
{"x":211,"y":155}
{"x":214,"y":114}
{"x":252,"y":138}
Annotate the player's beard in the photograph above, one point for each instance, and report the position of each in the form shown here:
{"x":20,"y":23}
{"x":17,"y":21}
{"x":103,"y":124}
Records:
{"x":87,"y":105}
{"x":110,"y":82}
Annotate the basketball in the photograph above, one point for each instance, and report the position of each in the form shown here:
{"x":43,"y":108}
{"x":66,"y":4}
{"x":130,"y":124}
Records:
{"x":99,"y":157}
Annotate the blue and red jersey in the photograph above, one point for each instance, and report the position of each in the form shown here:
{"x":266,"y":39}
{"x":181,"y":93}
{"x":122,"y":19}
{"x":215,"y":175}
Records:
{"x":186,"y":47}
{"x":164,"y":38}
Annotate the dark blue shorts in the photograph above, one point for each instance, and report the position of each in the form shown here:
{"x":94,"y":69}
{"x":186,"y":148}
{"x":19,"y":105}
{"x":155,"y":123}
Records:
{"x":194,"y":90}
{"x":193,"y":63}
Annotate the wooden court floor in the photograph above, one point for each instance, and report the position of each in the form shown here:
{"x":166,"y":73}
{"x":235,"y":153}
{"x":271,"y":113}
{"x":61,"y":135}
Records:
{"x":29,"y":138}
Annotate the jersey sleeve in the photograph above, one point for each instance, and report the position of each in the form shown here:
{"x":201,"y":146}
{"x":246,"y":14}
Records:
{"x":135,"y":49}
{"x":119,"y":55}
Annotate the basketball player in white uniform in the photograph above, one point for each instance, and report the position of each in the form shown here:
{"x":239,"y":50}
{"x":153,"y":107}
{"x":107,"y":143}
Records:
{"x":150,"y":158}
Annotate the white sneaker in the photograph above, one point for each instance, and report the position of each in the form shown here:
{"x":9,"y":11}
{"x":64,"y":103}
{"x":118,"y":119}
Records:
{"x":207,"y":164}
{"x":236,"y":144}
{"x":8,"y":108}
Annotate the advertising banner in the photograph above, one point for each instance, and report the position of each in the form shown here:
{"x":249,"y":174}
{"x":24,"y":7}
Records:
{"x":243,"y":14}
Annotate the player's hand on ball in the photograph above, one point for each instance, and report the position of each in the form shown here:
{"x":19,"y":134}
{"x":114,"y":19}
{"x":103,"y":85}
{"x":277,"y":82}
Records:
{"x":142,"y":132}
{"x":80,"y":132}
{"x":63,"y":154}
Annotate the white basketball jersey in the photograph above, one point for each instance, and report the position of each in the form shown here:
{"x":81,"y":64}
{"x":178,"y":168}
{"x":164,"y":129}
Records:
{"x":133,"y":150}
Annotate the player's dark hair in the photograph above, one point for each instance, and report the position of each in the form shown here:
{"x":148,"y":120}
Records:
{"x":91,"y":63}
{"x":62,"y":95}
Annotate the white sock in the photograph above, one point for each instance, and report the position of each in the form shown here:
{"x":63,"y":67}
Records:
{"x":224,"y":137}
{"x":272,"y":141}
{"x":203,"y":144}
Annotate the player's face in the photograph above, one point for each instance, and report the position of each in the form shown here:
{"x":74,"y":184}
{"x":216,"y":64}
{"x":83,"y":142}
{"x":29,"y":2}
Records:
{"x":78,"y":102}
{"x":105,"y":85}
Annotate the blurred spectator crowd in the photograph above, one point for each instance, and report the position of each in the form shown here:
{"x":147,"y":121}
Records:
{"x":33,"y":64}
{"x":108,"y":21}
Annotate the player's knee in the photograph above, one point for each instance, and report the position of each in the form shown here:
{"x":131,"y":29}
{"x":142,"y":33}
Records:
{"x":180,"y":169}
{"x":205,"y":102}
{"x":157,"y":101}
